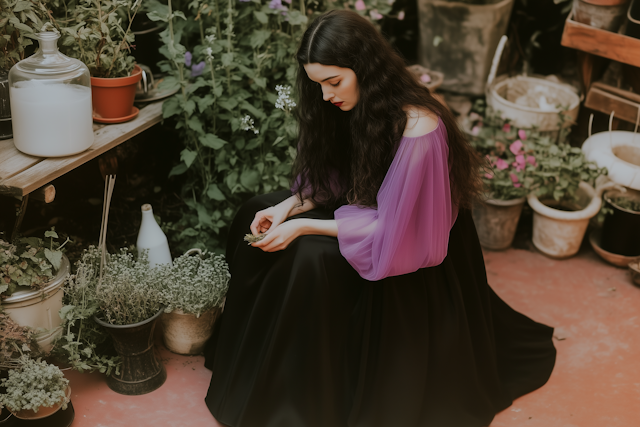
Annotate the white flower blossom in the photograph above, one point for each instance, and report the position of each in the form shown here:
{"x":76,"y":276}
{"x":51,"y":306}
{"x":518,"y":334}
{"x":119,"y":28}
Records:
{"x":247,"y":124}
{"x":284,"y":102}
{"x":208,"y":54}
{"x":210,"y":38}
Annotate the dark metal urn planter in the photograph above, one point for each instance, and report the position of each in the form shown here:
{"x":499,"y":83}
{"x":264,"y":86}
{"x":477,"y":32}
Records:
{"x":141,"y":371}
{"x":621,"y":230}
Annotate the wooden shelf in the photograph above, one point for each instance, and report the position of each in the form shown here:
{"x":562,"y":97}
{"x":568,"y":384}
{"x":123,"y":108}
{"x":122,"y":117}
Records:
{"x":21,"y":174}
{"x":602,"y":43}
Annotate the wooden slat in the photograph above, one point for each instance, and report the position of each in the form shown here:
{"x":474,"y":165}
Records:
{"x":12,"y":161}
{"x":603,"y":43}
{"x":106,"y":137}
{"x":631,"y":96}
{"x":605,"y":102}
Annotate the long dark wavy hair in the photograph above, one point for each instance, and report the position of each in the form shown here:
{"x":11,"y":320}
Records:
{"x":344,"y":156}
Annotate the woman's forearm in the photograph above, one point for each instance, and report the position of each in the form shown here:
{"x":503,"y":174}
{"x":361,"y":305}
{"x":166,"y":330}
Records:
{"x":322,"y":227}
{"x":295,"y":206}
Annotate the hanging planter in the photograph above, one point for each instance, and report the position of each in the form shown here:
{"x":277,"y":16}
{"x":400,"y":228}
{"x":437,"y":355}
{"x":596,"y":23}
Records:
{"x":141,"y":371}
{"x":496,"y":222}
{"x":113,"y":97}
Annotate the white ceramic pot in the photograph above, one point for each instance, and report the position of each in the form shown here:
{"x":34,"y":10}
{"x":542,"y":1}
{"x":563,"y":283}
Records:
{"x":619,"y":152}
{"x":559,"y":233}
{"x":496,"y":221}
{"x":186,"y":333}
{"x":39,"y":309}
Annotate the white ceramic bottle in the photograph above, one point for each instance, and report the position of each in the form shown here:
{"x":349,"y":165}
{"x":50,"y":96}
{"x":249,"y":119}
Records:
{"x":152,"y":238}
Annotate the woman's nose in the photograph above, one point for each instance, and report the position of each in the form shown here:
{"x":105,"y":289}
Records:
{"x":327,"y":94}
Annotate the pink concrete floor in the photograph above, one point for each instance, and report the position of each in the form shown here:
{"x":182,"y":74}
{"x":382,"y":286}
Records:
{"x":596,"y":382}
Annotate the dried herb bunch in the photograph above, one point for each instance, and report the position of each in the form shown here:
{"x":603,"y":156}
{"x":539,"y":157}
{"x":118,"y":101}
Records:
{"x":29,"y":263}
{"x":14,"y":339}
{"x":34,"y":385}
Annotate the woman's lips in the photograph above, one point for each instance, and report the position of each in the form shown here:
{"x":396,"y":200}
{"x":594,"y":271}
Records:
{"x":337,"y":104}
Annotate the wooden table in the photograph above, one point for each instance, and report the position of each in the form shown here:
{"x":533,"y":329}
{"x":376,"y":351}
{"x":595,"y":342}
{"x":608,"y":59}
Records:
{"x":22,"y":174}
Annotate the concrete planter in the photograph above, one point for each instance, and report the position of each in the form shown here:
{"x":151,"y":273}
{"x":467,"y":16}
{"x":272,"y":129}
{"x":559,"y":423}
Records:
{"x":558,"y":229}
{"x":496,"y":222}
{"x":187,"y":334}
{"x":39,"y":309}
{"x":459,"y":39}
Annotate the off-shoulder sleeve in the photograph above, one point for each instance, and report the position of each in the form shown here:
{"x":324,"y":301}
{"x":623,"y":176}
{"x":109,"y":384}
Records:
{"x":410,"y":228}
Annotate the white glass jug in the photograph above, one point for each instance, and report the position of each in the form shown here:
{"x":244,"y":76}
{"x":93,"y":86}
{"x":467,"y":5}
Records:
{"x":51,"y":102}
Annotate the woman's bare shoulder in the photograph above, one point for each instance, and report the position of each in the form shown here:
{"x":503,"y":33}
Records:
{"x":419,"y":121}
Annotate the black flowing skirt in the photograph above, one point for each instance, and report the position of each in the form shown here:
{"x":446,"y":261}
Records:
{"x":304,"y":341}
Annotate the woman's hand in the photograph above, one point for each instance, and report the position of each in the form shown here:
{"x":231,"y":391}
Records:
{"x":270,"y":218}
{"x":281,"y":236}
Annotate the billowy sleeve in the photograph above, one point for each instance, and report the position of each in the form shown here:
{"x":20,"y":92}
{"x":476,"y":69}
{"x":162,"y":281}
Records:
{"x":410,"y":228}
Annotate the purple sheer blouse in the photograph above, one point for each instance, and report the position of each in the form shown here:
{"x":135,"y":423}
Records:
{"x":410,"y":228}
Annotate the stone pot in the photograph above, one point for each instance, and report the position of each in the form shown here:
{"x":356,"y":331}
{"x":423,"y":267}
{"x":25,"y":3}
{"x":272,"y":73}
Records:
{"x":141,"y":371}
{"x":459,"y":39}
{"x":496,"y":221}
{"x":39,"y":309}
{"x":187,"y":334}
{"x":558,"y":229}
{"x":603,"y":14}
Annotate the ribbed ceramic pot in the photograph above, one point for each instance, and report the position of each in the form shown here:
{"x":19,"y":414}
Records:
{"x":141,"y":371}
{"x":186,"y":333}
{"x":496,"y":221}
{"x":558,"y":233}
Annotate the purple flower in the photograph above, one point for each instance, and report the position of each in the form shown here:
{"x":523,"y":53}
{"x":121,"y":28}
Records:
{"x":197,"y":69}
{"x":187,"y":59}
{"x":275,"y":4}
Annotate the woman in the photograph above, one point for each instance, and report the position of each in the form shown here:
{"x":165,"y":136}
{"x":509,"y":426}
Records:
{"x":367,"y":302}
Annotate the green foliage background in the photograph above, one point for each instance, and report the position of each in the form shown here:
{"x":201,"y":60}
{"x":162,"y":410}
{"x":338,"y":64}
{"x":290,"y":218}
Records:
{"x":246,"y":49}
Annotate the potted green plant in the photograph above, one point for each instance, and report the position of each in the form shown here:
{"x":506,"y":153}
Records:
{"x":32,"y":273}
{"x":128,"y":306}
{"x":193,"y":291}
{"x":506,"y":175}
{"x":35,"y":390}
{"x":19,"y":21}
{"x":564,"y":199}
{"x":99,"y":34}
{"x":621,"y":227}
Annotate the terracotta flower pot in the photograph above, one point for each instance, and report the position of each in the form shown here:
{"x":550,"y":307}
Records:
{"x":43,"y":412}
{"x":186,"y":333}
{"x":113,"y":98}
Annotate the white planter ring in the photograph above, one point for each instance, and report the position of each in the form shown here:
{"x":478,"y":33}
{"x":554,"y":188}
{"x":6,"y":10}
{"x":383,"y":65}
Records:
{"x":39,"y":309}
{"x":618,"y":151}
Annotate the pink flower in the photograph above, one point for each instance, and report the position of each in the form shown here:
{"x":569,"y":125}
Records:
{"x":475,"y":131}
{"x":488,"y":176}
{"x":425,"y":78}
{"x":360,"y":5}
{"x":375,"y":15}
{"x":506,"y":127}
{"x":516,"y":147}
{"x":531,"y":160}
{"x":519,"y":163}
{"x":401,"y":15}
{"x":522,"y":134}
{"x":501,"y":164}
{"x":514,"y":179}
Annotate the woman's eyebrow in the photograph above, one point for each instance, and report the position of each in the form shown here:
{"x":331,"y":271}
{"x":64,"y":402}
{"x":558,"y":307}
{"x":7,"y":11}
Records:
{"x":330,"y":78}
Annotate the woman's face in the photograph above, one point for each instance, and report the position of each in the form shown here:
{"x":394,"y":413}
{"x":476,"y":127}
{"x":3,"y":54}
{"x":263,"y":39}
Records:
{"x":339,"y":85}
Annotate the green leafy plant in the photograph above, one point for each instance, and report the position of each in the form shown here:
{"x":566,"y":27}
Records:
{"x":226,"y":58}
{"x":127,"y":289}
{"x":627,"y":203}
{"x":29,"y":263}
{"x":194,"y":284}
{"x":20,"y":20}
{"x":36,"y":384}
{"x":98,"y":33}
{"x":84,"y":344}
{"x":560,"y":170}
